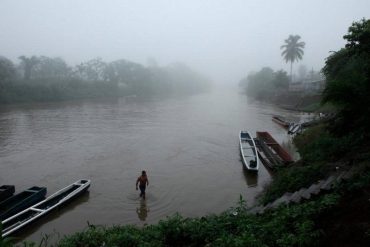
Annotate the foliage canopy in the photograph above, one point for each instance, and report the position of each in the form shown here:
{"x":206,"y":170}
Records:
{"x":43,"y":78}
{"x":348,"y":81}
{"x":265,"y":83}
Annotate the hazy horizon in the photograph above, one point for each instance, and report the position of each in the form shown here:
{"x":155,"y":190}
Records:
{"x":224,"y":40}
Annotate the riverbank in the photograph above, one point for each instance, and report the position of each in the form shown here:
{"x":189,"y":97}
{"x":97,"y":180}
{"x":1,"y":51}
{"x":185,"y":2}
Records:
{"x":300,"y":102}
{"x":305,"y":103}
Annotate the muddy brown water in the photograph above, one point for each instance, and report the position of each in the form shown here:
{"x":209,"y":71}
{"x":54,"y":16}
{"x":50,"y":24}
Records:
{"x":188,"y":146}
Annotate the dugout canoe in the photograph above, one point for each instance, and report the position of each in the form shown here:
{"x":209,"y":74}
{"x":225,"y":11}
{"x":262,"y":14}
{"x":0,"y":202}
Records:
{"x":20,"y":201}
{"x":59,"y":198}
{"x":248,"y":151}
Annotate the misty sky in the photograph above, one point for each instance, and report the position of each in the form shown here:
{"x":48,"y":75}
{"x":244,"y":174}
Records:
{"x":223,"y":39}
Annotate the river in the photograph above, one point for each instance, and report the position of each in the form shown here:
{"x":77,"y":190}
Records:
{"x":187,"y":145}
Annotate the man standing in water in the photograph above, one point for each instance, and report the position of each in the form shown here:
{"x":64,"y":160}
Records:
{"x":143,"y":180}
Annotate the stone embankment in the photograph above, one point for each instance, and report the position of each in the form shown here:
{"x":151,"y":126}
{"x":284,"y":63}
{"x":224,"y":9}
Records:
{"x":315,"y":189}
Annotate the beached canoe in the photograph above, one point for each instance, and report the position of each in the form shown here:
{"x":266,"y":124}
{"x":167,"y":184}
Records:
{"x":59,"y":198}
{"x":248,"y":151}
{"x":282,"y":122}
{"x":6,"y":191}
{"x":20,"y":201}
{"x":275,"y":146}
{"x":294,"y":128}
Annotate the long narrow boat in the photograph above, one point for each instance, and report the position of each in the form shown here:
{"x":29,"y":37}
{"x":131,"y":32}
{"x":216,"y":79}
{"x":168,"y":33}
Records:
{"x":294,"y":128}
{"x":267,"y":155}
{"x":20,"y":201}
{"x":36,"y":211}
{"x":248,"y":151}
{"x":279,"y":120}
{"x":274,"y":145}
{"x":6,"y":191}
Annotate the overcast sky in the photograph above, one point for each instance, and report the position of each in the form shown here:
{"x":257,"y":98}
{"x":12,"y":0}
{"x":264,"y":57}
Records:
{"x":223,"y":39}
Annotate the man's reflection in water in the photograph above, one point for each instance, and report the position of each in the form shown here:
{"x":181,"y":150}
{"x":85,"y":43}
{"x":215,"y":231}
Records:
{"x":142,"y":212}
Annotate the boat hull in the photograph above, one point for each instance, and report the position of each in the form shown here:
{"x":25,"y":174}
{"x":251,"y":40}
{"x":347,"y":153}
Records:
{"x":20,"y":201}
{"x":31,"y":214}
{"x":274,"y":145}
{"x":281,"y":121}
{"x":248,"y":151}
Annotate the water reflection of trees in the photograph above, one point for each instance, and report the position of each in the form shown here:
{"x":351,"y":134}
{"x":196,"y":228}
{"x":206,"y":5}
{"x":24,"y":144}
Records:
{"x":6,"y":129}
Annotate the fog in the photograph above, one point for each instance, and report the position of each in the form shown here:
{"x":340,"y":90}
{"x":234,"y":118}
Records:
{"x":223,"y":39}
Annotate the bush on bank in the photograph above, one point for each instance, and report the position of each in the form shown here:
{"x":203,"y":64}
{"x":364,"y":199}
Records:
{"x":287,"y":226}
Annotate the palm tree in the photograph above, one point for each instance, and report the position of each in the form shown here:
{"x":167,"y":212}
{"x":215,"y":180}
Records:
{"x":293,"y":50}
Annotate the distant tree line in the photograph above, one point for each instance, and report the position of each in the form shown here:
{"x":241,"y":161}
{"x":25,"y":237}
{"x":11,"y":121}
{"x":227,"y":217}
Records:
{"x":265,"y":83}
{"x":52,"y":79}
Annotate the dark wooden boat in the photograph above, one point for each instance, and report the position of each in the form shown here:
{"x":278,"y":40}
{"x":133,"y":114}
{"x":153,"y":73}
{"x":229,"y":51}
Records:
{"x":268,"y":157}
{"x":279,"y":120}
{"x":248,"y":151}
{"x":274,"y":145}
{"x":6,"y":191}
{"x":25,"y":217}
{"x":20,"y":201}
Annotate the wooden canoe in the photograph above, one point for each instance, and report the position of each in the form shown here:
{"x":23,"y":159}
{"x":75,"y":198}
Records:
{"x":20,"y":201}
{"x":274,"y":145}
{"x":279,"y":120}
{"x":248,"y":151}
{"x":267,"y":155}
{"x":22,"y":219}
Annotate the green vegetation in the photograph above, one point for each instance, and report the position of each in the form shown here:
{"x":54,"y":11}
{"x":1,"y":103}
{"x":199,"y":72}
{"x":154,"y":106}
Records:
{"x":266,"y":83}
{"x":348,"y":82}
{"x":38,"y":79}
{"x":286,"y":226}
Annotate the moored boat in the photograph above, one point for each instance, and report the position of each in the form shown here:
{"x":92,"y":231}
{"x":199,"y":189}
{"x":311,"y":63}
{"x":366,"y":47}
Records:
{"x":274,"y":145}
{"x":6,"y":191}
{"x":20,"y":220}
{"x":294,"y":128}
{"x":20,"y":201}
{"x":279,"y":120}
{"x":248,"y":151}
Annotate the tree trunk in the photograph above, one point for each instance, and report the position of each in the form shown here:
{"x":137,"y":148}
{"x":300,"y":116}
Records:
{"x":291,"y":74}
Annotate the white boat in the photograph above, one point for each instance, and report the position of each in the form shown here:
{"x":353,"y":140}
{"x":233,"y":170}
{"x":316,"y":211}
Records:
{"x":294,"y":128}
{"x":36,"y":211}
{"x":248,"y":151}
